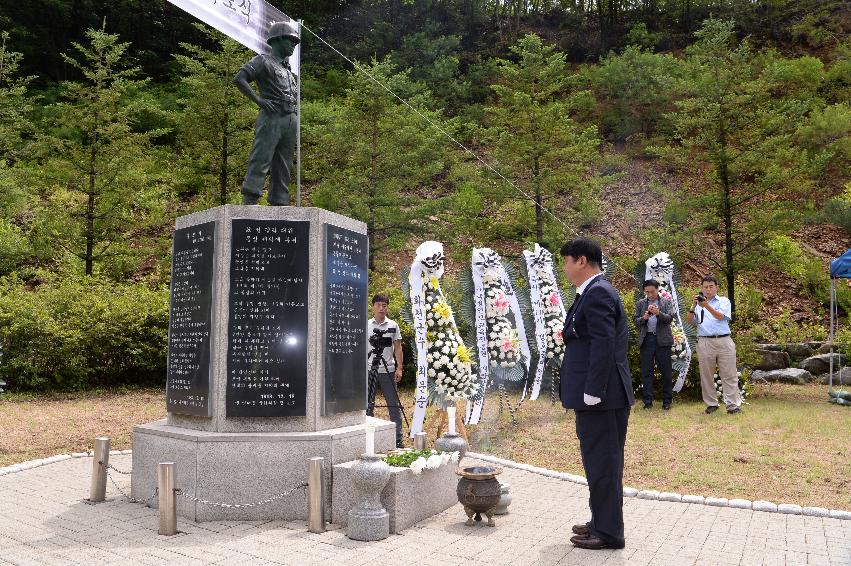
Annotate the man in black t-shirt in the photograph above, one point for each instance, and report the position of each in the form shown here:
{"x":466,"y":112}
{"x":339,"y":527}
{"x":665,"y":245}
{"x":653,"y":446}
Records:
{"x":389,"y":365}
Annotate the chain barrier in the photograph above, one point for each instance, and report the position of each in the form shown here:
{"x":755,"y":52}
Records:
{"x":300,"y":485}
{"x":110,"y":467}
{"x":146,"y":502}
{"x":116,"y":470}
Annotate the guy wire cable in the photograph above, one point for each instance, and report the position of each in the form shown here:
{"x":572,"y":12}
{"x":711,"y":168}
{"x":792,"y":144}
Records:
{"x":455,"y":141}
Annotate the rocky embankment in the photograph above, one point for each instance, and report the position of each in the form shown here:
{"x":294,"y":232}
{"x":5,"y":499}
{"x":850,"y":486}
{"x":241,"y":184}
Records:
{"x":801,"y":363}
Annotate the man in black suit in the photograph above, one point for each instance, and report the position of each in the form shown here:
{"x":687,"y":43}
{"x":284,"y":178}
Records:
{"x":596,"y":383}
{"x":653,"y":316}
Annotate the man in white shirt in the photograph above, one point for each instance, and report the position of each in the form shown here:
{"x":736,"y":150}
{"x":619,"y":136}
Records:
{"x":388,"y":365}
{"x":715,"y":347}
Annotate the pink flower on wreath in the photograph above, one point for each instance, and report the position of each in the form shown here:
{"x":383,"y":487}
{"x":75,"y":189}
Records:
{"x":554,"y":299}
{"x":559,"y":337}
{"x":507,"y":345}
{"x":500,"y":302}
{"x":665,"y":295}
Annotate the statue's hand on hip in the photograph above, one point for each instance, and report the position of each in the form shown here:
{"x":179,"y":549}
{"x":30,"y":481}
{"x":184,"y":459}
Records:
{"x":267,"y":105}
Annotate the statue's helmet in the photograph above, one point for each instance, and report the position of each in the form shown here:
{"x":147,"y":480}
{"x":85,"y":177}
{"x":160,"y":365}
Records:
{"x":283,"y":29}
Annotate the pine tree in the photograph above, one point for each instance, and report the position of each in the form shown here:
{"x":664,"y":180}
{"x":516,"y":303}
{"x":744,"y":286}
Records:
{"x":546,"y":153}
{"x":99,"y":178}
{"x":381,"y":160}
{"x":16,"y":128}
{"x":216,"y":124}
{"x":15,"y":105}
{"x":737,"y":130}
{"x":634,"y":89}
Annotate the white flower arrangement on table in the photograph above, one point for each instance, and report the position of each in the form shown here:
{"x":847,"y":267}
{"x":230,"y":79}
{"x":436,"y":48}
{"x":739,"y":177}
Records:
{"x":419,"y":460}
{"x":553,"y":316}
{"x":449,"y":360}
{"x":434,"y":461}
{"x":503,"y":339}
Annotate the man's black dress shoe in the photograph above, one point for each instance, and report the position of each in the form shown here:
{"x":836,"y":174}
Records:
{"x":711,"y":409}
{"x":667,"y":406}
{"x":648,"y":405}
{"x":581,"y":529}
{"x":734,"y":410}
{"x":593,"y":543}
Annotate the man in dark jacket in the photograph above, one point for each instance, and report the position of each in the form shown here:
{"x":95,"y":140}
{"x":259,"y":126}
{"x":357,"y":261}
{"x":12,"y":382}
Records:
{"x":653,"y":316}
{"x":596,"y":383}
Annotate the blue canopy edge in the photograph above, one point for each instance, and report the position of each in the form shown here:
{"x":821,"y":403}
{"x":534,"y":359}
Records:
{"x":841,"y":266}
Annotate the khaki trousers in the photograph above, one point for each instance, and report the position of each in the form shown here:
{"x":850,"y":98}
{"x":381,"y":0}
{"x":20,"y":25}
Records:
{"x":720,"y":353}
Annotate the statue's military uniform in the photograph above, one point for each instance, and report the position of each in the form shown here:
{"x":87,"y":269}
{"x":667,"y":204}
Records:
{"x":274,"y":132}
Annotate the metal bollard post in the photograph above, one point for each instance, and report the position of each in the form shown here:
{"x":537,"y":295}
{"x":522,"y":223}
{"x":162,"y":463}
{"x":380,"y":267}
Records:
{"x":316,"y":495}
{"x":420,"y":440}
{"x":100,"y":462}
{"x":168,"y":505}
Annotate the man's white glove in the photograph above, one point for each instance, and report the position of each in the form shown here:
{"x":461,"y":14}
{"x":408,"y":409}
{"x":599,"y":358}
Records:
{"x":590,"y":399}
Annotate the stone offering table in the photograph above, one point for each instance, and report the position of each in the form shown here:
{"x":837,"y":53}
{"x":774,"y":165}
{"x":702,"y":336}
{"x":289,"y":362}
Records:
{"x":267,"y":359}
{"x":409,"y":498}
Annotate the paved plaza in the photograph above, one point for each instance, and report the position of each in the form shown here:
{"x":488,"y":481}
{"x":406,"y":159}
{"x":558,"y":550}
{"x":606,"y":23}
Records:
{"x":44,"y":520}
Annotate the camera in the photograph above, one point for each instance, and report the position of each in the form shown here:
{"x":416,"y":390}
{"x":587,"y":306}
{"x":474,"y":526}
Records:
{"x":701,"y":297}
{"x":378,"y":339}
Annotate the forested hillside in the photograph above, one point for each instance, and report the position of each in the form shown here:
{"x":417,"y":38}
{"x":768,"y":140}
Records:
{"x":717,"y":131}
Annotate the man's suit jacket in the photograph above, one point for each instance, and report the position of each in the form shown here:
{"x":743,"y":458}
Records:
{"x":663,"y":321}
{"x":595,"y":338}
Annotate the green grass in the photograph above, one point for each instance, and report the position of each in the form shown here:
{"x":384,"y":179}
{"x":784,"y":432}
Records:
{"x":790,"y":445}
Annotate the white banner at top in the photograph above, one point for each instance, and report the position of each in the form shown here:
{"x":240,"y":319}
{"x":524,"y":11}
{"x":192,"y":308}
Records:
{"x":245,"y":21}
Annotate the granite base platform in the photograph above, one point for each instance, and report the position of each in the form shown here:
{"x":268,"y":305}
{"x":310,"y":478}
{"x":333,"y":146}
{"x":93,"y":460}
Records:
{"x":407,"y":497}
{"x":244,"y":467}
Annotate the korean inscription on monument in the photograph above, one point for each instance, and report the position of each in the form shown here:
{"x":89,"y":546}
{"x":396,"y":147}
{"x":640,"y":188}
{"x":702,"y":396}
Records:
{"x":267,"y":328}
{"x":346,"y":257}
{"x":188,"y":377}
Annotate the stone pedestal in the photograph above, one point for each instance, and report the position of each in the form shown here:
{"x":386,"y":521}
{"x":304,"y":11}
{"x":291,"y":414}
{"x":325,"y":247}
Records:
{"x":408,"y":498}
{"x":267,"y":358}
{"x":244,"y":467}
{"x":368,"y":520}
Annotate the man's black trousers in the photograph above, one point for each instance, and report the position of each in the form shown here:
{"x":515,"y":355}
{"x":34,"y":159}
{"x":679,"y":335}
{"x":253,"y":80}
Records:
{"x":391,"y":398}
{"x":602,"y":436}
{"x":650,"y":351}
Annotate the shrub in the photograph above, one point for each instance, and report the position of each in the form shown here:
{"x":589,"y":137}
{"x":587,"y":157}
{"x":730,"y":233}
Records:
{"x":808,"y":271}
{"x":77,"y":332}
{"x":784,"y":330}
{"x":13,"y":246}
{"x":748,"y":304}
{"x":838,"y":212}
{"x":842,"y":341}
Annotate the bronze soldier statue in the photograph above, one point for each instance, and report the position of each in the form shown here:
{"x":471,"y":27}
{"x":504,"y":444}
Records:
{"x":276,"y":128}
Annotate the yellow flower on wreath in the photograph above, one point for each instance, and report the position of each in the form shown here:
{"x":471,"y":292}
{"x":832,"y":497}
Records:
{"x":434,"y":282}
{"x":442,"y":310}
{"x":463,"y":354}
